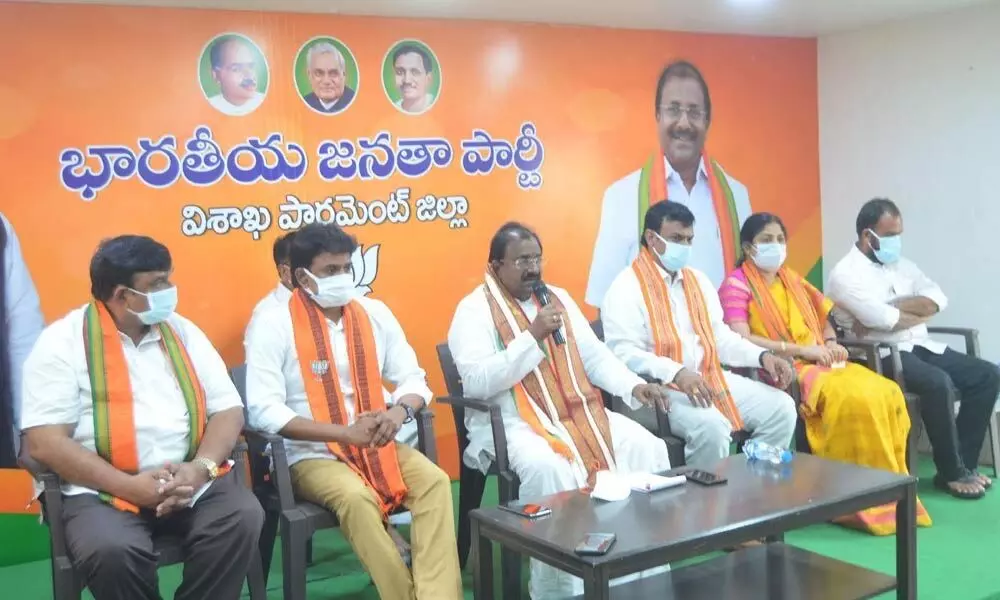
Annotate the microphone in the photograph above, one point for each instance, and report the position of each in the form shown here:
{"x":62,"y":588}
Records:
{"x":542,"y":293}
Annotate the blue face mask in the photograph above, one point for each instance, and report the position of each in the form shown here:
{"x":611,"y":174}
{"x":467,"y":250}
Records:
{"x":675,"y":257}
{"x":889,"y":249}
{"x":162,"y":304}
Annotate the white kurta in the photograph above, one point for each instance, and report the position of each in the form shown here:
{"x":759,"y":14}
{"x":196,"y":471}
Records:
{"x":276,"y":392}
{"x":489,"y":373}
{"x":277,"y":297}
{"x":768,"y":413}
{"x":617,"y":242}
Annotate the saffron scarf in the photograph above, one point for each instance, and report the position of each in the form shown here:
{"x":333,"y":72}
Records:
{"x":556,"y":399}
{"x":377,"y":467}
{"x":809,"y":302}
{"x":666,"y":341}
{"x":111,"y":392}
{"x":653,"y":189}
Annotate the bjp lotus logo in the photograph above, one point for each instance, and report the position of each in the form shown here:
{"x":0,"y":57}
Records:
{"x":365,"y":265}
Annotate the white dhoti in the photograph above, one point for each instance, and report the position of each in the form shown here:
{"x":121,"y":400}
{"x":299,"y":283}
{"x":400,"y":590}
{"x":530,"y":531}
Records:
{"x":543,"y":472}
{"x":768,"y":414}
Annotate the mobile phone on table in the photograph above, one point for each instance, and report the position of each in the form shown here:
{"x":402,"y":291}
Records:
{"x":527,"y":510}
{"x":704,"y":477}
{"x":596,"y":544}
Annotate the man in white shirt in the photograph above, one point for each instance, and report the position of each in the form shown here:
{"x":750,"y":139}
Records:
{"x":681,"y":171}
{"x":234,"y":68}
{"x":414,"y":73}
{"x":528,"y":348}
{"x":663,"y":319}
{"x":133,"y":408}
{"x":883,"y":297}
{"x":20,"y":323}
{"x":281,"y":293}
{"x":315,"y":374}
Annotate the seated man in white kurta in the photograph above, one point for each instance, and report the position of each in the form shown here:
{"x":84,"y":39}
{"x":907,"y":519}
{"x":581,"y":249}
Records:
{"x":664,"y":320}
{"x":559,"y":434}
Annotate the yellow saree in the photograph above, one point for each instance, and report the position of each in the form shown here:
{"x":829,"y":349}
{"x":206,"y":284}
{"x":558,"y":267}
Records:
{"x":851,"y":414}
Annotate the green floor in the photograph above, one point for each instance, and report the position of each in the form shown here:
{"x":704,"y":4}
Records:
{"x":958,"y":558}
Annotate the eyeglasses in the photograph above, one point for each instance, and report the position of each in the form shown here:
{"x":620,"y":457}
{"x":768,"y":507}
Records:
{"x":674,"y":111}
{"x":528,"y":261}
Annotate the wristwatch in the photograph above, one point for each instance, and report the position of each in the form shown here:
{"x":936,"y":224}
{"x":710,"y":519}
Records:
{"x":210,"y":465}
{"x":409,"y":411}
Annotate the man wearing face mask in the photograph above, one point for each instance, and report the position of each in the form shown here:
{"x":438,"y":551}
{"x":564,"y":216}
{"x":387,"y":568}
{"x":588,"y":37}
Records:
{"x":883,"y":297}
{"x":315,"y":373}
{"x":529,"y":349}
{"x":680,"y":170}
{"x":664,"y":320}
{"x":281,"y":293}
{"x":134,"y":409}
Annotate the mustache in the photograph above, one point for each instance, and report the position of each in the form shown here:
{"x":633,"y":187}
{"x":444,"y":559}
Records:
{"x":531,"y":277}
{"x":248,"y":82}
{"x":687,"y":135}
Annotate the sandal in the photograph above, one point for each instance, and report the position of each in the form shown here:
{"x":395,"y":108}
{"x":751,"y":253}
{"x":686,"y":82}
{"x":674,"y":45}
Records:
{"x":941,"y":484}
{"x":985,"y":481}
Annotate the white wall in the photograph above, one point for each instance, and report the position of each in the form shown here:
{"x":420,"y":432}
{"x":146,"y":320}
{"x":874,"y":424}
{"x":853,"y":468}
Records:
{"x":912,"y":111}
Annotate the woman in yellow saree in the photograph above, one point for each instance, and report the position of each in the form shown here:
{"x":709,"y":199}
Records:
{"x":851,"y":414}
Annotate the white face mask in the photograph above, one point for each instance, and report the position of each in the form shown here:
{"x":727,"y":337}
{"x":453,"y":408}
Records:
{"x":771,"y":256}
{"x":333,"y":291}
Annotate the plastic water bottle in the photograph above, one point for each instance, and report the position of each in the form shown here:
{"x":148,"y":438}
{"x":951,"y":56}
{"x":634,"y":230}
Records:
{"x":758,"y":450}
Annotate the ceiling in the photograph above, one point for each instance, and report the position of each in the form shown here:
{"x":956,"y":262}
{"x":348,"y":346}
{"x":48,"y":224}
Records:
{"x":805,"y":18}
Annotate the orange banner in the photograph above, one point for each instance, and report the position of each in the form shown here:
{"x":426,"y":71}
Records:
{"x":215,"y":132}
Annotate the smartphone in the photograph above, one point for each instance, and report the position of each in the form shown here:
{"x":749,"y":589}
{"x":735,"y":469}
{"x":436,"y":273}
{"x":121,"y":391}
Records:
{"x":596,"y":544}
{"x":704,"y":477}
{"x":528,"y":510}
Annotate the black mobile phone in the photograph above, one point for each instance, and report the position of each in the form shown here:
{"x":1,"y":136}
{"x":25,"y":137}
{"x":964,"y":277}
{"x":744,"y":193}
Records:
{"x":527,"y":510}
{"x":704,"y":477}
{"x":596,"y":544}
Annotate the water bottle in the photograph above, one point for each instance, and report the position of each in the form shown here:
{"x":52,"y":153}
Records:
{"x":758,"y":450}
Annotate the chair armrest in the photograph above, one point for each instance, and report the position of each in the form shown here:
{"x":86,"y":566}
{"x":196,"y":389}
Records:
{"x":650,"y":379}
{"x":971,"y":337}
{"x":870,"y":348}
{"x":426,"y":441}
{"x":281,"y":475}
{"x":463,"y":402}
{"x":496,"y":425}
{"x":873,"y":357}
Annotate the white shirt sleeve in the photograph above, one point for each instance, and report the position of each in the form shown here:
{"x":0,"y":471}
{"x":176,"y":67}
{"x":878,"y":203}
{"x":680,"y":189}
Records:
{"x":486,"y":370}
{"x":734,"y":350}
{"x":611,"y":250}
{"x":401,"y":368}
{"x":266,"y":386}
{"x":603,"y":368}
{"x":220,"y":392}
{"x":925,"y":286}
{"x":627,"y":334}
{"x":849,"y":292}
{"x":24,"y":313}
{"x":51,"y":390}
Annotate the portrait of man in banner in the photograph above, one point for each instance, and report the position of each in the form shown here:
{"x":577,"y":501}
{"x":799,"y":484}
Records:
{"x":326,"y":75}
{"x":677,"y":168}
{"x":411,"y":76}
{"x":233,"y":74}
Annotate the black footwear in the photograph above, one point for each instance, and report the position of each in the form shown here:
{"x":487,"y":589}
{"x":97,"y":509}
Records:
{"x":941,"y":484}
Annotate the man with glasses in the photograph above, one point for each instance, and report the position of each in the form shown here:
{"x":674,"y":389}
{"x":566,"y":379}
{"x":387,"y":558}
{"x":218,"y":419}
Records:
{"x":528,"y":349}
{"x":679,"y":170}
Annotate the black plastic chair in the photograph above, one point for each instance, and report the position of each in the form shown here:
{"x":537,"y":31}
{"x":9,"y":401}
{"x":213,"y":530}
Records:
{"x":66,"y":585}
{"x":472,"y":482}
{"x":298,"y":520}
{"x":895,"y":372}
